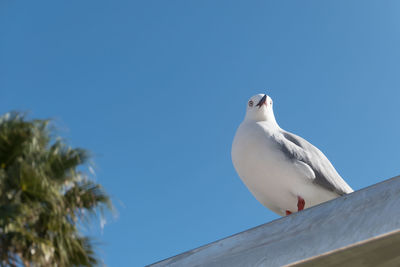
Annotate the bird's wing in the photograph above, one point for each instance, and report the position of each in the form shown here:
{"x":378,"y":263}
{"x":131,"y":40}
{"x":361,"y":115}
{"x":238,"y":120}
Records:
{"x":298,"y":149}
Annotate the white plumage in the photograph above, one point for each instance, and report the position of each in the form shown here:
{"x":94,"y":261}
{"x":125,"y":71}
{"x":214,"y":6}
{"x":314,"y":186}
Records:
{"x":282,"y":170}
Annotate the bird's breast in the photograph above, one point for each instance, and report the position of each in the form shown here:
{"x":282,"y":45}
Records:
{"x":254,"y":150}
{"x":262,"y":166}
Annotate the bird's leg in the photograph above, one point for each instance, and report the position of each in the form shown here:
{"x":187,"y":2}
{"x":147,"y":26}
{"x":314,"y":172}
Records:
{"x":300,"y":203}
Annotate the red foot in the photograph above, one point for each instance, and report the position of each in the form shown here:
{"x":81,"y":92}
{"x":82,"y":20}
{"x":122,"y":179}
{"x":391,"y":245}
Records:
{"x":300,"y":203}
{"x":288,"y":212}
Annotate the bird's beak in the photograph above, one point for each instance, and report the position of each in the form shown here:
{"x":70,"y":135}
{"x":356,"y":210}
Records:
{"x":262,"y":101}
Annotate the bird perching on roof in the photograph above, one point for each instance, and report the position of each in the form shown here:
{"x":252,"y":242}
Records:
{"x":282,"y":170}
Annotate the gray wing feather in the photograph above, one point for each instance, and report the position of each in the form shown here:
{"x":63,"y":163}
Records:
{"x":296,"y":148}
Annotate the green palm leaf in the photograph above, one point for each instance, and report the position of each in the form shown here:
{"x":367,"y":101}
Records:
{"x":44,"y":197}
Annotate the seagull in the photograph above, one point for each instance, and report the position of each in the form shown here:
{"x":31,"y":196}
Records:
{"x":283,"y":171}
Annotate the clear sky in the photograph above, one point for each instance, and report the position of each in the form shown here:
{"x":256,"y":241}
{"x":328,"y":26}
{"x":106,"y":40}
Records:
{"x":156,"y":90}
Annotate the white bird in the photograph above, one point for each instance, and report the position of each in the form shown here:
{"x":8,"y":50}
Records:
{"x":282,"y":170}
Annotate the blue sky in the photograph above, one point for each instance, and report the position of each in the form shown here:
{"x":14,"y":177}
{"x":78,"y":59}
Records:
{"x":156,"y":90}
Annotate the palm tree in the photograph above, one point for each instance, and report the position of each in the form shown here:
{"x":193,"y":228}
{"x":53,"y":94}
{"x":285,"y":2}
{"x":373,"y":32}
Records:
{"x":44,"y":197}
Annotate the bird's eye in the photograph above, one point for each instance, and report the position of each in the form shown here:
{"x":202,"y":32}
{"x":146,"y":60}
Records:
{"x":251,"y":103}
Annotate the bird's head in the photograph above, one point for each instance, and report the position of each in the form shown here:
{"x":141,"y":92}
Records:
{"x":259,"y":108}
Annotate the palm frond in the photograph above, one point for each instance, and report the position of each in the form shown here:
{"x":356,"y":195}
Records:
{"x":43,"y":197}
